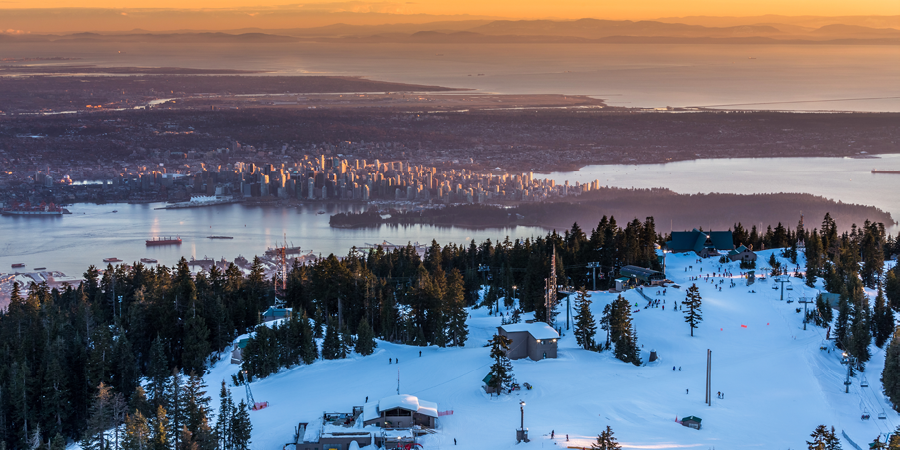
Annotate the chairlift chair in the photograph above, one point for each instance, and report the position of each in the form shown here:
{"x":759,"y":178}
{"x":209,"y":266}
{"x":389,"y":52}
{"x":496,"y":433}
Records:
{"x":864,"y":382}
{"x":865,"y":414}
{"x":882,"y":415}
{"x":775,"y":287}
{"x":790,"y":287}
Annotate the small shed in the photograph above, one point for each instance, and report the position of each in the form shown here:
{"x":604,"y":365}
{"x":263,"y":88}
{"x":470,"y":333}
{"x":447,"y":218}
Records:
{"x":742,"y":253}
{"x":236,"y":357}
{"x":623,"y":283}
{"x":643,"y":275}
{"x":488,"y":389}
{"x":274,"y":313}
{"x":832,"y":300}
{"x":535,"y":340}
{"x":691,"y":422}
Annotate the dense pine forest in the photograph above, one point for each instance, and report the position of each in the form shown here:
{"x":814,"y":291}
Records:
{"x":107,"y":354}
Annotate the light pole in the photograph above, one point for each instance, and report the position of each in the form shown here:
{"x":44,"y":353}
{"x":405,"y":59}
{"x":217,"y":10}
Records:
{"x":514,"y":293}
{"x":594,"y":266}
{"x":521,"y":433}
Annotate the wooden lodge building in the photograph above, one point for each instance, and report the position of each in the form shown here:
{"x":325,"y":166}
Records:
{"x":703,"y":243}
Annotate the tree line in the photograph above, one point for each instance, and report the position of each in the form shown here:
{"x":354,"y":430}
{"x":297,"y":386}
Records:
{"x":59,"y":345}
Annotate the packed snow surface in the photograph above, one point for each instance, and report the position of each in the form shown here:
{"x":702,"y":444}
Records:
{"x":778,"y":385}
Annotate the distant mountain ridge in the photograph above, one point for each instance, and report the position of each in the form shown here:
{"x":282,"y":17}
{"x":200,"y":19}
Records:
{"x":582,"y":31}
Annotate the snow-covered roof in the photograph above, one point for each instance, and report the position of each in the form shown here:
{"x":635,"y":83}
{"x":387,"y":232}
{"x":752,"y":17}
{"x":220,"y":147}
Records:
{"x":428,"y":408}
{"x":537,"y":330}
{"x":370,"y":411}
{"x":404,"y":401}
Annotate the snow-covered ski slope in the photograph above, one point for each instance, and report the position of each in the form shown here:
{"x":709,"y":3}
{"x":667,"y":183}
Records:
{"x":777,"y":383}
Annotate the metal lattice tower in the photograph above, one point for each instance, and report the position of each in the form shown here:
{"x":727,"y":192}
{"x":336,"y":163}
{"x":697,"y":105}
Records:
{"x":551,"y":289}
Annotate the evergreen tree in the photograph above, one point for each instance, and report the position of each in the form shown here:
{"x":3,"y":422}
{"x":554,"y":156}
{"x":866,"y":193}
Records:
{"x":175,"y":407}
{"x":365,"y":339}
{"x":196,"y":342}
{"x":196,"y":409}
{"x":157,"y":373}
{"x":501,"y":370}
{"x":825,"y":313}
{"x":606,"y":441}
{"x":226,"y":412}
{"x":100,"y":419}
{"x":346,"y":342}
{"x":137,"y":432}
{"x":309,"y":351}
{"x":159,"y":431}
{"x":882,"y":320}
{"x":819,"y":437}
{"x":455,"y":301}
{"x":692,"y":301}
{"x":58,"y":442}
{"x":842,"y":326}
{"x":813,"y":258}
{"x":892,"y":288}
{"x":585,"y":327}
{"x":241,"y":428}
{"x":138,"y":402}
{"x":890,"y":376}
{"x":860,"y":334}
{"x":331,"y":346}
{"x":626,"y":346}
{"x":832,"y":441}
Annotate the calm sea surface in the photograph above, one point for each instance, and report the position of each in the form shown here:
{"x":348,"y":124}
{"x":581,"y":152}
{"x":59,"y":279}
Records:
{"x":72,"y":242}
{"x":791,"y":77}
{"x":843,"y":179}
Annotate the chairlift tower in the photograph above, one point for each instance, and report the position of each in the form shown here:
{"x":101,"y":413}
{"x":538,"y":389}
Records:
{"x":805,"y":301}
{"x":782,"y":279}
{"x":250,"y":400}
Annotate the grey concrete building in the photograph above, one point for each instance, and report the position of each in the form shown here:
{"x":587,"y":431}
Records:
{"x":535,"y":340}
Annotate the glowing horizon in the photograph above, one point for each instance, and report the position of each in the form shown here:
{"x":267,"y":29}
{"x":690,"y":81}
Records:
{"x":564,"y":9}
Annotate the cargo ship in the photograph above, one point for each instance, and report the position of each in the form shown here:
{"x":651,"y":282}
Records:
{"x":886,"y":171}
{"x":38,"y":269}
{"x":18,"y":266}
{"x":166,"y":241}
{"x":111,"y":260}
{"x":149,"y":261}
{"x":220,"y":237}
{"x":27,"y":209}
{"x":197,"y":202}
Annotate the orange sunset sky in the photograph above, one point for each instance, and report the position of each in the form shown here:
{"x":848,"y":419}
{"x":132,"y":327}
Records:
{"x":68,"y":15}
{"x":515,"y":8}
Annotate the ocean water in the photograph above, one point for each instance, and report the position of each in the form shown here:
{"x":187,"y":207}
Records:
{"x":783,"y":77}
{"x":93,"y":232}
{"x":848,"y":180}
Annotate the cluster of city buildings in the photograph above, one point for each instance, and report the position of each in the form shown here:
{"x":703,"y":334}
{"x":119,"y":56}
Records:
{"x":337,"y":178}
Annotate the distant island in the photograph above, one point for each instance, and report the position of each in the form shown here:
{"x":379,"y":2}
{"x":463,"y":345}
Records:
{"x":671,"y":210}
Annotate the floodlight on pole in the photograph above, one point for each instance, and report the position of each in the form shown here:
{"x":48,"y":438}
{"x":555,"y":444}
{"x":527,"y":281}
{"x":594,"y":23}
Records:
{"x":521,"y":433}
